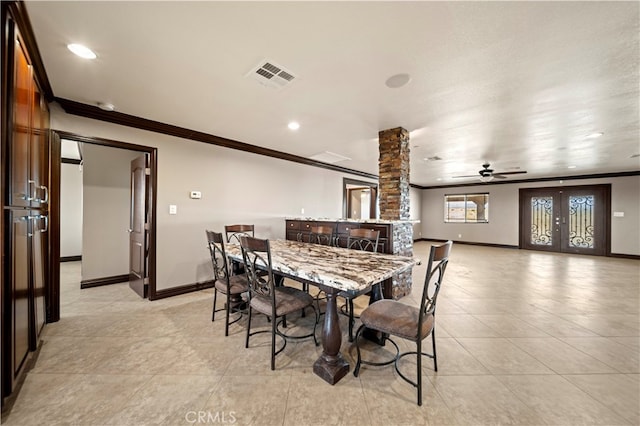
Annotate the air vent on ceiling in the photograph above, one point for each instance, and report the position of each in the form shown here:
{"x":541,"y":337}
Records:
{"x":271,"y":75}
{"x":329,"y":157}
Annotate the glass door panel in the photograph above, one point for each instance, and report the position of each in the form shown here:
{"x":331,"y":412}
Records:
{"x":541,"y":221}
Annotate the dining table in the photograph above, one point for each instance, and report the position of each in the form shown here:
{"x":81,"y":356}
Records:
{"x":335,"y":271}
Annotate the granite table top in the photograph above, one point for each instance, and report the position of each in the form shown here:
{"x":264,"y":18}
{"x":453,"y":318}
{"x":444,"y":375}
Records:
{"x":348,"y":270}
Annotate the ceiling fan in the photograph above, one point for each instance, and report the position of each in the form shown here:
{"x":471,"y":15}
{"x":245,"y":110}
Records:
{"x":487,"y":174}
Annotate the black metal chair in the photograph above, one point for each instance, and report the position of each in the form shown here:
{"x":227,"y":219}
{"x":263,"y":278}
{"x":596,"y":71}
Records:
{"x":233,"y":286}
{"x":322,"y":235}
{"x":233,"y":233}
{"x":269,"y":299}
{"x":394,"y":318}
{"x":365,"y":240}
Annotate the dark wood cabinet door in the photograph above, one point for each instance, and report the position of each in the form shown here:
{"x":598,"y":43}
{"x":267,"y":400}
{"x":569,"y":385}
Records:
{"x":39,"y":235}
{"x":20,"y":291}
{"x":38,"y":151}
{"x":20,"y":187}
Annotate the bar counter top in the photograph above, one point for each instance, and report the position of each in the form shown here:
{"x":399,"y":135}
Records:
{"x":330,"y":219}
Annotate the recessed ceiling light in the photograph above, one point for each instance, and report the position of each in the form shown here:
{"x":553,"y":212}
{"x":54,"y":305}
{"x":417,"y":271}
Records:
{"x":398,"y":80}
{"x":595,"y":135}
{"x":82,"y":51}
{"x":571,"y":167}
{"x":293,"y":125}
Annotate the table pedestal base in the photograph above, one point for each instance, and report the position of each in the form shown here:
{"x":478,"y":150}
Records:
{"x":331,"y":371}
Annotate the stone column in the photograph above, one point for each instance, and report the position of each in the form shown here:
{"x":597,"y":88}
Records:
{"x":393,"y":193}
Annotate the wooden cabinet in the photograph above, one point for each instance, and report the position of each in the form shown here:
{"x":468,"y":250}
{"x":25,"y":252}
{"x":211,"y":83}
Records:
{"x":25,"y":175}
{"x":299,"y":230}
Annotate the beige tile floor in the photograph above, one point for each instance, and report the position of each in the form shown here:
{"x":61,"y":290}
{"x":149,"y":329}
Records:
{"x":523,"y":337}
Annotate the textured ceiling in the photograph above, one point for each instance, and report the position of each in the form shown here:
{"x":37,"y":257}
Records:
{"x":516,"y":84}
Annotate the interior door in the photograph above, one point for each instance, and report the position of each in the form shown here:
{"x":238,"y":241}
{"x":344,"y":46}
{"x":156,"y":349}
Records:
{"x":137,"y":227}
{"x":566,"y":219}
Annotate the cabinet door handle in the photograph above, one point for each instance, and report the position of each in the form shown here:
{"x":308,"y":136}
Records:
{"x":46,"y":222}
{"x":29,"y":197}
{"x":46,"y":194}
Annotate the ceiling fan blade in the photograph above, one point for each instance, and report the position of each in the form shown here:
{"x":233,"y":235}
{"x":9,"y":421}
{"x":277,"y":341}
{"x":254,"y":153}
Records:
{"x":510,"y":173}
{"x":466,"y":176}
{"x":498,"y":176}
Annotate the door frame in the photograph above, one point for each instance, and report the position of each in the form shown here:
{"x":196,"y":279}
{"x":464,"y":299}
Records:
{"x":346,"y":196}
{"x":53,"y":289}
{"x":605,"y":189}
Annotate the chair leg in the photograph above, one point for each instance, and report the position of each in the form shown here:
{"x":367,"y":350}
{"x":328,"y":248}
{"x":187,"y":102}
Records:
{"x":419,"y":363}
{"x":215,"y":299}
{"x":273,"y":343}
{"x":317,"y":312}
{"x":351,"y":320}
{"x":227,"y":308}
{"x":246,"y":344}
{"x":433,"y":340}
{"x":356,"y":370}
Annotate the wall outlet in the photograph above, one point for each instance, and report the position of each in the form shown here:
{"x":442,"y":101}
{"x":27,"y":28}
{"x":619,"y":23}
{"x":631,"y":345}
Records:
{"x":302,"y":210}
{"x":196,"y":195}
{"x":173,"y":209}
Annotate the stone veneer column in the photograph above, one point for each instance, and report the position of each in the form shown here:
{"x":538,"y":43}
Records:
{"x":393,"y":193}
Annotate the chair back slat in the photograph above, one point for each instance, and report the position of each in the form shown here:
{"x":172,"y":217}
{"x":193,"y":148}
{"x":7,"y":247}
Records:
{"x":256,"y":255}
{"x":218,"y":255}
{"x":234,"y":232}
{"x":321,"y":235}
{"x":438,"y":261}
{"x":363,"y":239}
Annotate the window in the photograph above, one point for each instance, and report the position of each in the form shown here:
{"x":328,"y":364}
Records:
{"x":466,"y":208}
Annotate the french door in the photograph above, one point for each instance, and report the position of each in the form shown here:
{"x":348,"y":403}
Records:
{"x":566,"y":219}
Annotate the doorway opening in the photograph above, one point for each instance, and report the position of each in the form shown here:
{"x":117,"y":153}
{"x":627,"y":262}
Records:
{"x":574,"y":219}
{"x":145,"y":277}
{"x":359,"y":199}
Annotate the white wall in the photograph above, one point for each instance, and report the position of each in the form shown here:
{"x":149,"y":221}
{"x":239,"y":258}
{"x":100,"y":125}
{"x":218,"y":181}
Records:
{"x":503,"y":214}
{"x":106,"y":199}
{"x":415,"y":211}
{"x":70,"y":210}
{"x":237,"y":187}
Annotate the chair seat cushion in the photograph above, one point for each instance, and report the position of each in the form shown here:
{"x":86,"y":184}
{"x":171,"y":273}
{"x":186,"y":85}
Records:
{"x":237,"y":284}
{"x":393,"y":317}
{"x":288,"y":299}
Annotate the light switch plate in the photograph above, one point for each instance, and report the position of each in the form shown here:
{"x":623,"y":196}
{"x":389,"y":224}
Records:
{"x":618,"y":214}
{"x":173,"y":209}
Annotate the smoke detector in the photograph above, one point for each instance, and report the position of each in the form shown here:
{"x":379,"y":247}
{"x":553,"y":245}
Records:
{"x":270,"y":74}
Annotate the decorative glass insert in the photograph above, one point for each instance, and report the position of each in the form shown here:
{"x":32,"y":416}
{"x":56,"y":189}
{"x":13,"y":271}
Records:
{"x":581,"y":218}
{"x":542,"y":221}
{"x":466,"y":208}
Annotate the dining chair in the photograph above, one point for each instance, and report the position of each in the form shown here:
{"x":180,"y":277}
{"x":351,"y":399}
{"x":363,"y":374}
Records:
{"x":232,"y":286}
{"x":233,"y":233}
{"x":365,"y":240}
{"x":265,"y":297}
{"x":394,"y":318}
{"x":322,"y":235}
